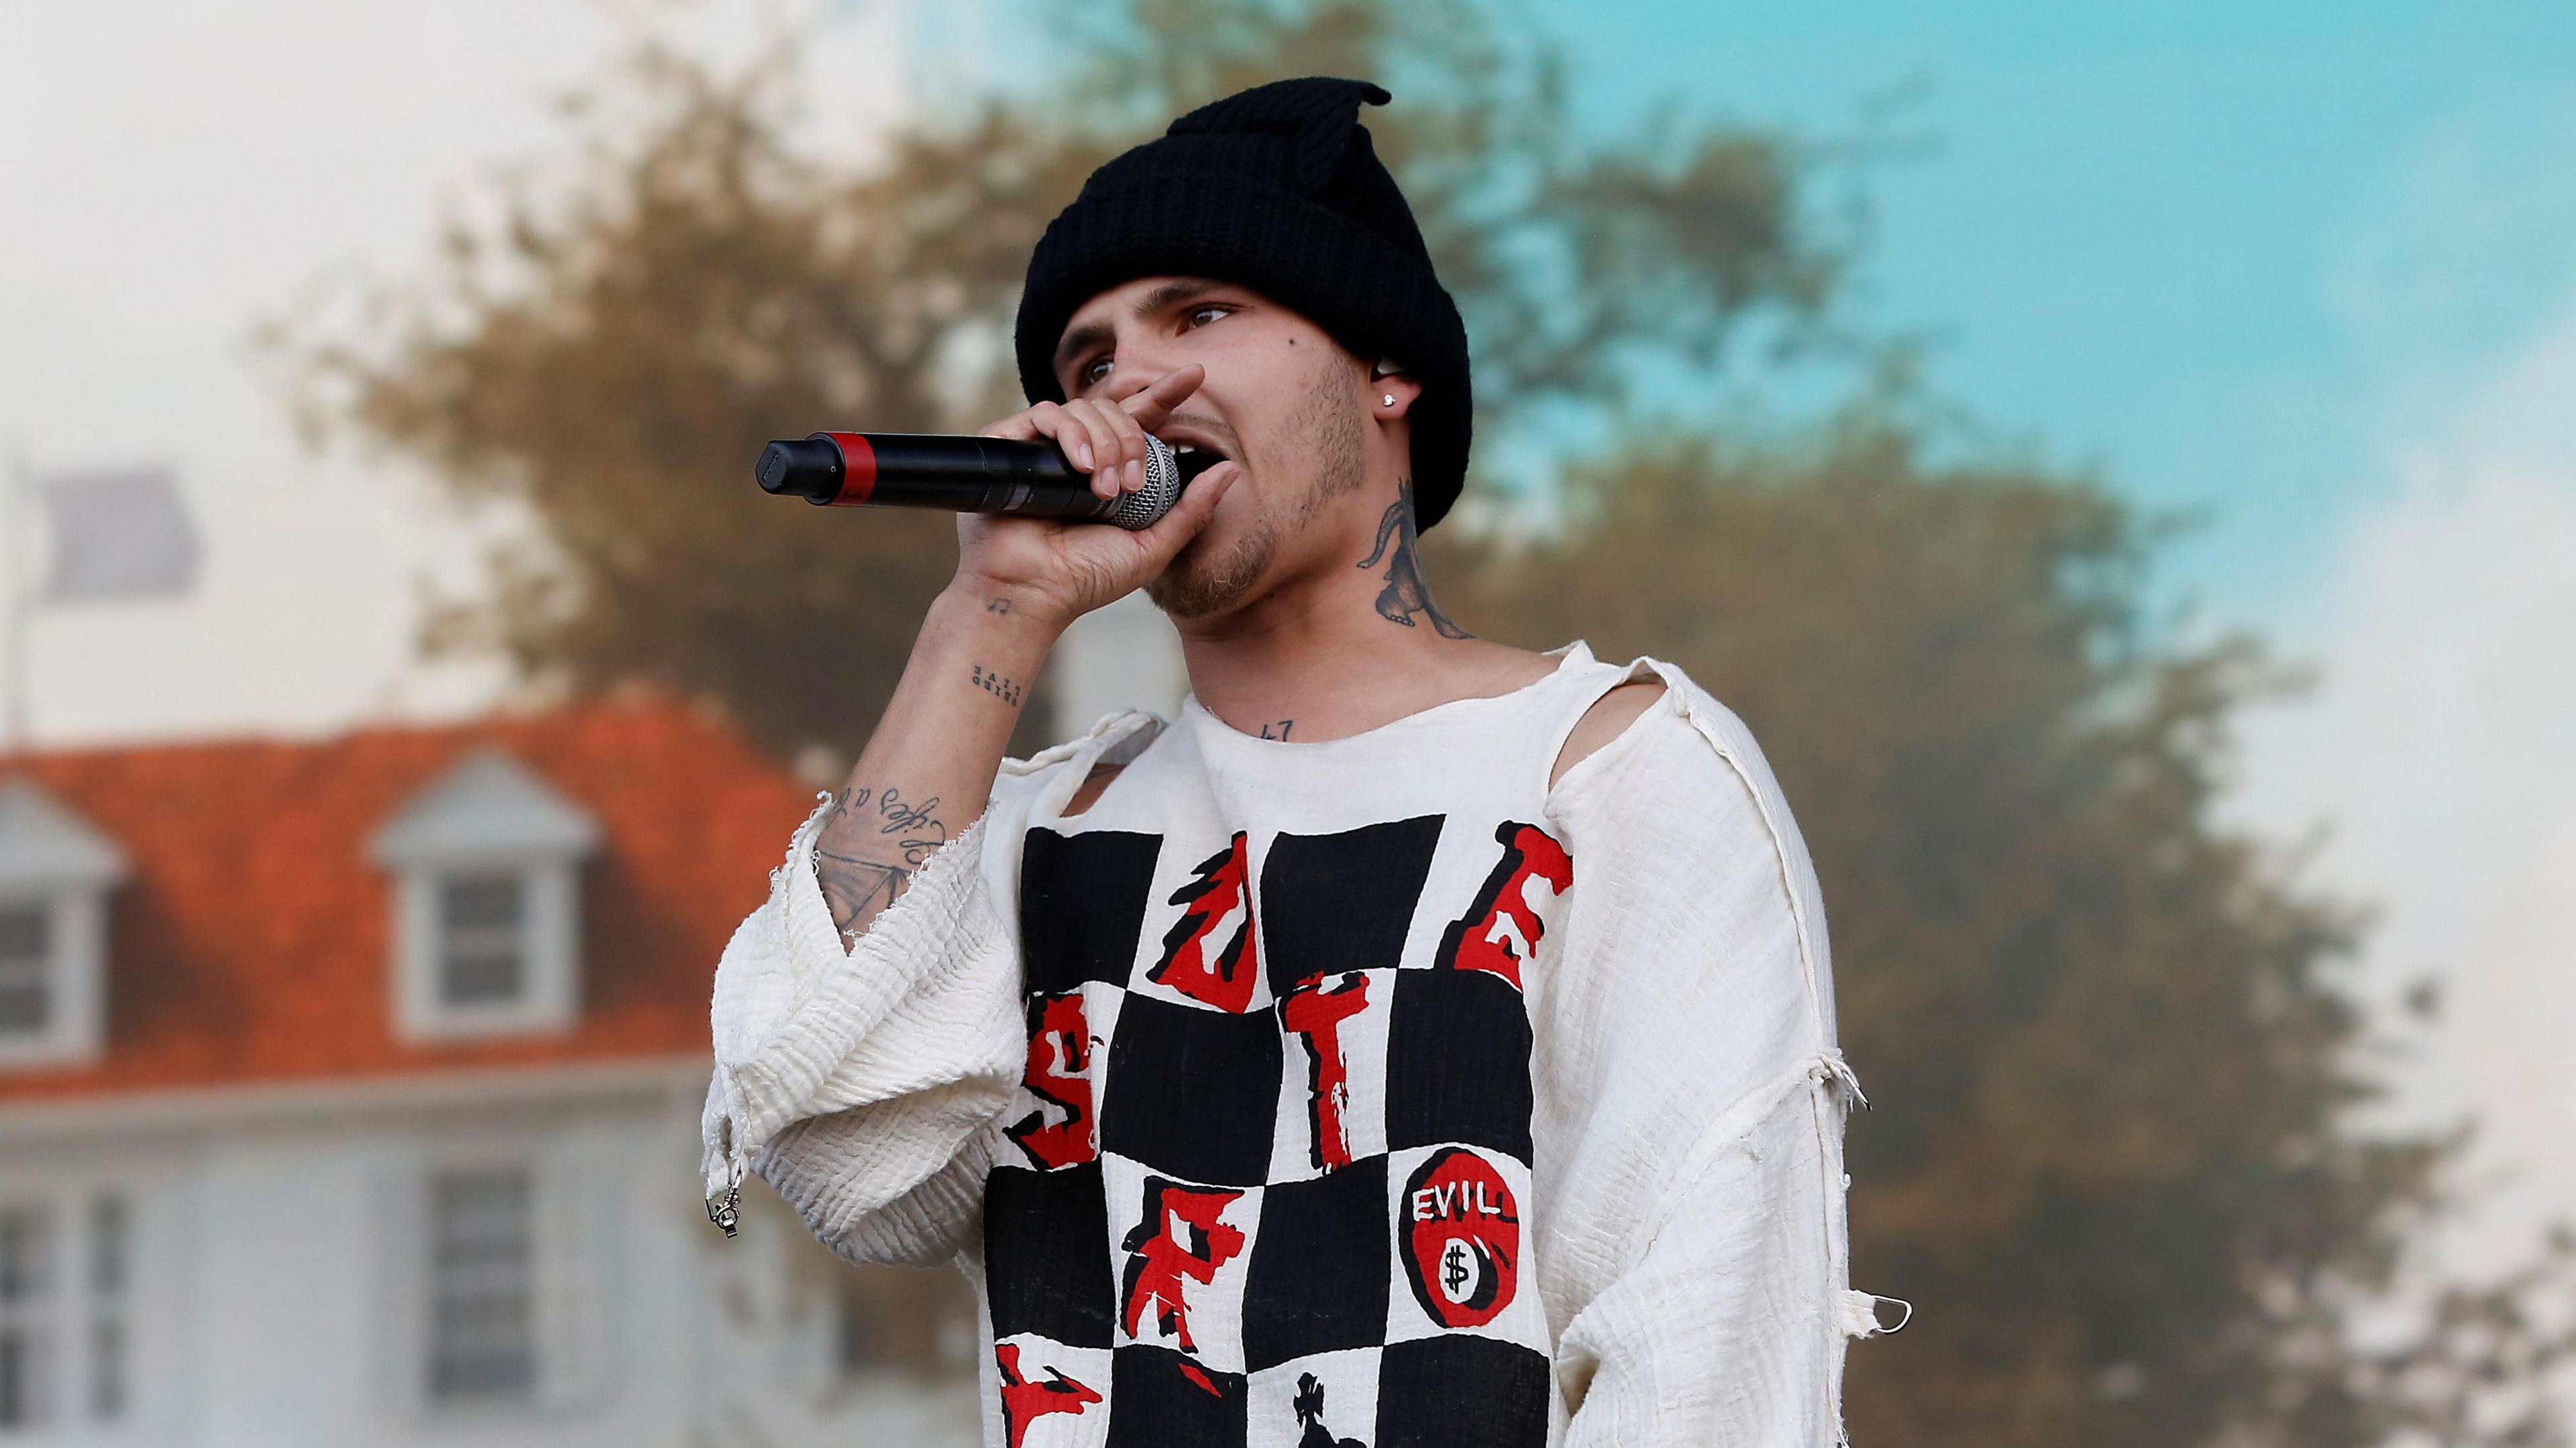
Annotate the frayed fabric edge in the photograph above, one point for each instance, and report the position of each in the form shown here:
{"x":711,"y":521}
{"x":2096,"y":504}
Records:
{"x":1857,"y":1314}
{"x":1830,"y":1065}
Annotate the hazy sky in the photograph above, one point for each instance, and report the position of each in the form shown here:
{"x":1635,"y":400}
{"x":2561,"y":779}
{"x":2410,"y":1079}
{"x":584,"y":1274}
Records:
{"x":2307,"y":266}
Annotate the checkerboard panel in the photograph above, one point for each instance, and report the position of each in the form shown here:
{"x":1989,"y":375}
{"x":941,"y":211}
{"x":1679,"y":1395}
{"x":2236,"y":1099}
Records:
{"x":1332,"y":1087}
{"x":1183,"y":1251}
{"x":1082,"y":905}
{"x":1342,"y":902}
{"x":1192,"y":1092}
{"x":1318,"y":1280}
{"x":1042,"y":1265}
{"x":1328,"y":1398}
{"x":1461,"y":1392}
{"x":1053,"y":1396}
{"x":1054,"y":1117}
{"x":1164,"y":1399}
{"x":1457,"y":1062}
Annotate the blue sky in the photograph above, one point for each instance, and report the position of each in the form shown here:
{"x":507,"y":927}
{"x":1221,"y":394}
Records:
{"x":2215,"y":250}
{"x":2219,"y":253}
{"x":2310,"y":267}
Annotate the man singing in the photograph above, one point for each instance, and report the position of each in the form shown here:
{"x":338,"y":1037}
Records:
{"x":1417,"y":1041}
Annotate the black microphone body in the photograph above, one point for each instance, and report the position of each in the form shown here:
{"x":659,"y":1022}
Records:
{"x":1029,"y":479}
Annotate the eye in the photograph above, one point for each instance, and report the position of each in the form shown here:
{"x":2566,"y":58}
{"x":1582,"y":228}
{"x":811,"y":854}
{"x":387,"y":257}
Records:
{"x":1090,"y":373}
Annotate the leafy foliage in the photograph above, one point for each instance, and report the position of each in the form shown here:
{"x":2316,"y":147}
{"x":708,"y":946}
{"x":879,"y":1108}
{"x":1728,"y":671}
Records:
{"x":616,"y":350}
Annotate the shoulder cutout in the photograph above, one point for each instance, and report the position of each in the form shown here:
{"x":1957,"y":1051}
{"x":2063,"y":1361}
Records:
{"x":1092,"y":786}
{"x":1608,"y":717}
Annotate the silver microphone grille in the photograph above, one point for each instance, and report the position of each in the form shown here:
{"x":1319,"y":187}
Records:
{"x":1139,"y":509}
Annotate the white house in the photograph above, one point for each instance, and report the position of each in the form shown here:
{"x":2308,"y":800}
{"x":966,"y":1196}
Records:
{"x":349,"y":1095}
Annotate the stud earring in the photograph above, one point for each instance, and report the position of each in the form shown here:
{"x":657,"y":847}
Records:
{"x":1390,"y":399}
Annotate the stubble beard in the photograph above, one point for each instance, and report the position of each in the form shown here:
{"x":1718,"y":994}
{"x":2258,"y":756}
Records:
{"x":1327,"y":428}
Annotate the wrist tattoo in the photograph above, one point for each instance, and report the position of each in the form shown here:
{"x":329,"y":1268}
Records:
{"x":1006,"y":690}
{"x":997,"y":605}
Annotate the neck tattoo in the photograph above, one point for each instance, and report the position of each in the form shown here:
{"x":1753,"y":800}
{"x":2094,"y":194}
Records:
{"x":1405,"y":593}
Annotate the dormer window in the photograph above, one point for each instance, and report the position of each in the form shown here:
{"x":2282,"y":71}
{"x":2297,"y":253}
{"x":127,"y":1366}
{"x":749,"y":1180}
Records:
{"x":482,"y":938}
{"x":55,"y":874}
{"x":486,"y":864}
{"x":26,"y":966}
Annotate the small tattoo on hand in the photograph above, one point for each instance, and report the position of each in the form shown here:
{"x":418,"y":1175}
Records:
{"x":997,"y":605}
{"x":994,"y":684}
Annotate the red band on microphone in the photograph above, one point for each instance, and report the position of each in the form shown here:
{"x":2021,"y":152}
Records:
{"x":858,"y":468}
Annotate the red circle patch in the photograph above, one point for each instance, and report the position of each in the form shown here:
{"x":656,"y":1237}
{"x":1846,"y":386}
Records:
{"x":1462,"y":1238}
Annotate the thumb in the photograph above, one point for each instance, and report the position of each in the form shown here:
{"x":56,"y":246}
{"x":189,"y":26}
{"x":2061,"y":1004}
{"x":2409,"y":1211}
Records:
{"x":1190,"y":514}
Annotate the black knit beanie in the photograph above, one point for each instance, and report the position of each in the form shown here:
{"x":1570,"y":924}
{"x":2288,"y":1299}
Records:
{"x":1276,"y":188}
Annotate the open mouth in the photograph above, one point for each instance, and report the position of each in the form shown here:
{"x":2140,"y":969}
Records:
{"x":1195,"y":464}
{"x":1185,"y":439}
{"x":1196,"y":461}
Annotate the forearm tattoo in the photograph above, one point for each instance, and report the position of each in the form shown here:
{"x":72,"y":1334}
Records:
{"x":1405,"y":593}
{"x":871,"y":844}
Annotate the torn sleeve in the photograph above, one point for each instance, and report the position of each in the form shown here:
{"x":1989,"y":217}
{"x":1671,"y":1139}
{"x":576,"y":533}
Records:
{"x":1692,"y":1100}
{"x":857,"y":1080}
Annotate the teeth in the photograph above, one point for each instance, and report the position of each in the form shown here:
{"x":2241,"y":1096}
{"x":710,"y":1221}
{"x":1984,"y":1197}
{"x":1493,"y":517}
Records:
{"x":1184,"y":447}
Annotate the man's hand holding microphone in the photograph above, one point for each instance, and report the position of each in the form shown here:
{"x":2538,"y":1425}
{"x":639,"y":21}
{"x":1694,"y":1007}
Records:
{"x":928,"y":770}
{"x":1069,"y":569}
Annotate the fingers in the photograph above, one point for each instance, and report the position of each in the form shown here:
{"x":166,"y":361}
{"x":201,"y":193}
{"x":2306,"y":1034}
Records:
{"x":1060,"y":423}
{"x":1152,"y":407}
{"x":1107,"y":442}
{"x":1101,"y":453}
{"x":1117,"y":446}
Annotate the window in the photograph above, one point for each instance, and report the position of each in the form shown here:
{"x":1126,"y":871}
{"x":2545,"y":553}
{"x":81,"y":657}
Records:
{"x":482,"y":938}
{"x":26,"y":1315}
{"x":45,"y":1373}
{"x":482,"y":1288}
{"x":56,"y":873}
{"x":26,"y":968}
{"x":110,"y":1271}
{"x":486,"y":929}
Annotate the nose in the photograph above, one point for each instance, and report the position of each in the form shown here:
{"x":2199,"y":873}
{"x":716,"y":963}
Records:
{"x":1138,"y":366}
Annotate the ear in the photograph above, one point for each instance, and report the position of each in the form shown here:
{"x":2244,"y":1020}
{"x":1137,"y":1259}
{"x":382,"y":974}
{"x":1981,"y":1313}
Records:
{"x":1388,"y":380}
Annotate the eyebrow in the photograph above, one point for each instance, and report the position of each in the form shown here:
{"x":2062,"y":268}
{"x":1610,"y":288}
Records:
{"x":1082,"y":339}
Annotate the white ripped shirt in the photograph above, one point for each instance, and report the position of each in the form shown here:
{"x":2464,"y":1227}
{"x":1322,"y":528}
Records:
{"x":1372,"y":1090}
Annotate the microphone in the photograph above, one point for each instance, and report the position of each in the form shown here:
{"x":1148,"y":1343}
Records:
{"x":1030,"y":479}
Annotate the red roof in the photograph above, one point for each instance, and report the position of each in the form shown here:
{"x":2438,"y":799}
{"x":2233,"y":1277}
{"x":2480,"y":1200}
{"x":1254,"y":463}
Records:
{"x":249,"y":943}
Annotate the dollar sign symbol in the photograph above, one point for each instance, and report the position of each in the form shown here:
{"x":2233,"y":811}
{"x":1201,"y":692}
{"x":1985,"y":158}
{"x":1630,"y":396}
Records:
{"x":1453,"y":1268}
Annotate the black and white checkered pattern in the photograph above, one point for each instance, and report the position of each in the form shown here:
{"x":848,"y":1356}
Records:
{"x":1266,"y":1170}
